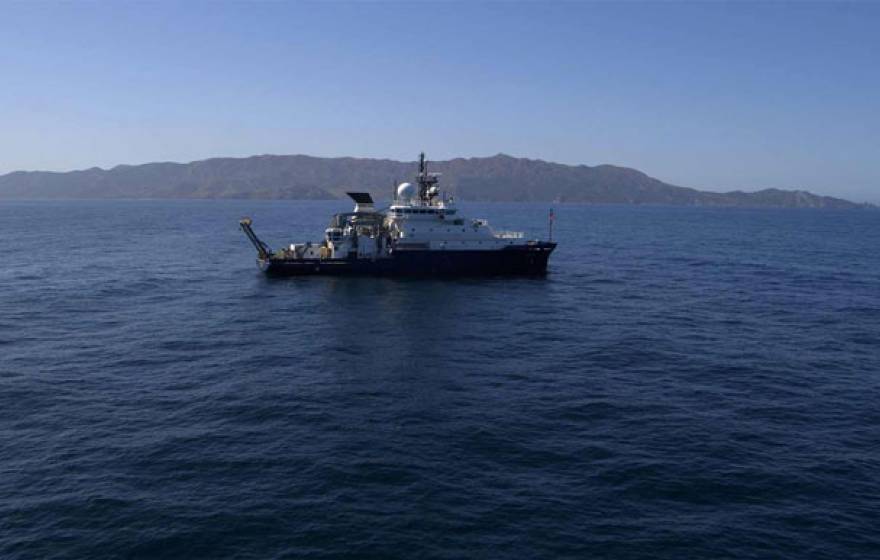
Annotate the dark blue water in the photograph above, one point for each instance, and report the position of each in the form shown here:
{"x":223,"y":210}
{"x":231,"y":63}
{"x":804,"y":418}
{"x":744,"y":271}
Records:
{"x":685,"y":383}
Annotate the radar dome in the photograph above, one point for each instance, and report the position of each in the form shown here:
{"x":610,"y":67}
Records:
{"x":406,"y":191}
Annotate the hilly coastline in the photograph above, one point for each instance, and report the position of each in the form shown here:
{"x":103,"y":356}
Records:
{"x":496,"y":178}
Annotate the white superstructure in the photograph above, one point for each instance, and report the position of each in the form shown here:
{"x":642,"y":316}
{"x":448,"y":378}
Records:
{"x":420,"y":217}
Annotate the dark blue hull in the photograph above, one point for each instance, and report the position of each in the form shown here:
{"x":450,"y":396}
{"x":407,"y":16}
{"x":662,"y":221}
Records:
{"x":528,"y":259}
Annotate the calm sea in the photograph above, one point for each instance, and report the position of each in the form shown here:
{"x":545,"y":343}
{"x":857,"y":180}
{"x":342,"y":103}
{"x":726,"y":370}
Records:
{"x":685,"y":383}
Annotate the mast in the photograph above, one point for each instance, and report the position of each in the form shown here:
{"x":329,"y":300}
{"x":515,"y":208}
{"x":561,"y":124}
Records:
{"x":423,"y":175}
{"x":425,"y":180}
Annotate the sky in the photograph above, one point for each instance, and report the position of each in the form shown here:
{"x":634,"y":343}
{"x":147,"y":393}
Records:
{"x":711,"y":95}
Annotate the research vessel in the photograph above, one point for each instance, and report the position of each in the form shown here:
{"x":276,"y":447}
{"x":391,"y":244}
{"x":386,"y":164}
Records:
{"x":421,"y":233}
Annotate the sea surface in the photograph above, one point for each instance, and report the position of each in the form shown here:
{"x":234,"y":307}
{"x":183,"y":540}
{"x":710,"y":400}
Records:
{"x":684,"y":383}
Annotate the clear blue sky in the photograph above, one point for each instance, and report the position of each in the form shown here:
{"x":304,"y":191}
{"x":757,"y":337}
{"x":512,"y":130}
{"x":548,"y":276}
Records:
{"x":709,"y":95}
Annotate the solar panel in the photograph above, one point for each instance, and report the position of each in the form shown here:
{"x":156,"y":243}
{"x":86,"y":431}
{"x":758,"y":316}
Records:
{"x":361,"y":197}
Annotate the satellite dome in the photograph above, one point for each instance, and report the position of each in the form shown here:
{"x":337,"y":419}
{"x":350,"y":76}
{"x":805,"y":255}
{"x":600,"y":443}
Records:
{"x":406,"y":191}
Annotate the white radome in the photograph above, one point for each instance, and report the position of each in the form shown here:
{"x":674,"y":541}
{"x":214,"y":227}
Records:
{"x":406,"y":191}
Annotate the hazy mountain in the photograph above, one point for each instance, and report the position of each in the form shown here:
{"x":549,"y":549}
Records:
{"x":497,"y":178}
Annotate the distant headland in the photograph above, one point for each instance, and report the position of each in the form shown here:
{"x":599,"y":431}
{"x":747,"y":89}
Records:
{"x":497,"y":178}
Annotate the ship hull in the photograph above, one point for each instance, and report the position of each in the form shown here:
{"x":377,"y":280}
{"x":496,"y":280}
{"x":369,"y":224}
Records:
{"x":517,"y":260}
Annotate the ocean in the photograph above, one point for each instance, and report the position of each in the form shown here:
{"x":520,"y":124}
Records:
{"x":684,"y":383}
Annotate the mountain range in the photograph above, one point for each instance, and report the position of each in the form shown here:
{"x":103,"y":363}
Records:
{"x":496,"y":178}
